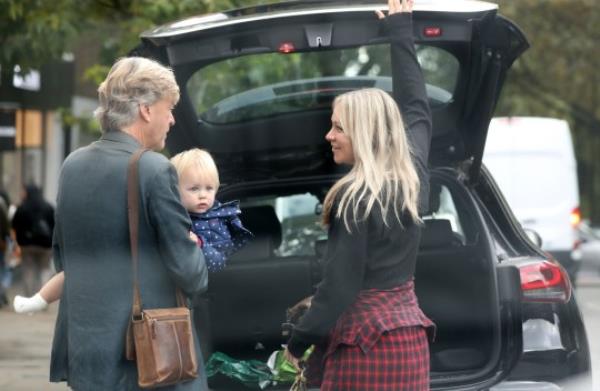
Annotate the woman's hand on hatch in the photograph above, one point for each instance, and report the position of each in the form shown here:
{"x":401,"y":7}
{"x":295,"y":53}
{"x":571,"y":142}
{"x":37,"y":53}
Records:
{"x":396,"y":6}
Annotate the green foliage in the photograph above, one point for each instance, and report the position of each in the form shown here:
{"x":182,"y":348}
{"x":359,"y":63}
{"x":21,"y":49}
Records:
{"x":127,"y":19}
{"x":32,"y":31}
{"x":96,"y":73}
{"x":35,"y":32}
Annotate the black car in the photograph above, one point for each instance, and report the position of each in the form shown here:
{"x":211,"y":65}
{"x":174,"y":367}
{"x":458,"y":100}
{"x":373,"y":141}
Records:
{"x":257,"y":86}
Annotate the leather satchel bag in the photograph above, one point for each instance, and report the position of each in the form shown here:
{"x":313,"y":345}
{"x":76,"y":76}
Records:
{"x":159,"y":340}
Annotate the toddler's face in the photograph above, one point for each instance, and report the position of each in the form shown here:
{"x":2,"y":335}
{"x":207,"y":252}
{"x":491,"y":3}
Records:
{"x":197,"y":191}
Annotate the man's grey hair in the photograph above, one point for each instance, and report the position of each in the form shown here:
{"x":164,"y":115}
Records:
{"x":131,"y":82}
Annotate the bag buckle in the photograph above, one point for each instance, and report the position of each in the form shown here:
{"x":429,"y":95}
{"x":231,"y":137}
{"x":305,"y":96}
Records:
{"x":137,"y":318}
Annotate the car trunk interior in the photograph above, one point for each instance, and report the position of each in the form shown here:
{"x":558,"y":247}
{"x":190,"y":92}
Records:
{"x":242,"y":313}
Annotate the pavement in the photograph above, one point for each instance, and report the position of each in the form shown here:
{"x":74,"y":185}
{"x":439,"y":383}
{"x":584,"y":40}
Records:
{"x":25,"y":344}
{"x":588,"y":299}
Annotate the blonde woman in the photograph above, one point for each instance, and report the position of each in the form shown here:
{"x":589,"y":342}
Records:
{"x":364,"y":314}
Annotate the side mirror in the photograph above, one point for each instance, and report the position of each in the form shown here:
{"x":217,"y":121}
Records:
{"x":533,"y":236}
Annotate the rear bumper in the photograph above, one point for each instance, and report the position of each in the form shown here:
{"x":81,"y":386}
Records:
{"x":525,"y":386}
{"x":556,"y":350}
{"x":568,"y":370}
{"x":574,"y":384}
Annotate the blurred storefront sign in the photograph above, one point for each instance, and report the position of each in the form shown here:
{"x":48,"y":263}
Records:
{"x":31,"y":81}
{"x":48,"y":88}
{"x":31,"y":148}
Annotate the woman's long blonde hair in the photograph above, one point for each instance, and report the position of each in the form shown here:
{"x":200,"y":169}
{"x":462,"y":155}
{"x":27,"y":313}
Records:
{"x":383,"y":172}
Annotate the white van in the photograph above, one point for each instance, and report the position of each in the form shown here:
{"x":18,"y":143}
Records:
{"x":533,"y":162}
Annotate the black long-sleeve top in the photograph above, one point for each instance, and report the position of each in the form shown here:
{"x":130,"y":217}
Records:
{"x":373,"y":255}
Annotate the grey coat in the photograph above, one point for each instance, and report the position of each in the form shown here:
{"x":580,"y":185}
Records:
{"x":91,"y":245}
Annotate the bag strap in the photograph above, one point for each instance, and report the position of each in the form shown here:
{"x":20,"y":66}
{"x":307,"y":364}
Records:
{"x":133,"y":215}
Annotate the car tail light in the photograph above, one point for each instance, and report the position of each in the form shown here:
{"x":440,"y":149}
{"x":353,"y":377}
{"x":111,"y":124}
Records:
{"x":575,"y":217}
{"x":545,"y":281}
{"x":431,"y":32}
{"x":286,"y":47}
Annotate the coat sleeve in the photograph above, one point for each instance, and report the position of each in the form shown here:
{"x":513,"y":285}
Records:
{"x":346,"y":259}
{"x":411,"y":95}
{"x":57,"y":258}
{"x":182,"y":257}
{"x":56,"y":252}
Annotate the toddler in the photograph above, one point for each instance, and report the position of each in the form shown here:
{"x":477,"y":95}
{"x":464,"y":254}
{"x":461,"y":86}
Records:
{"x":216,"y":225}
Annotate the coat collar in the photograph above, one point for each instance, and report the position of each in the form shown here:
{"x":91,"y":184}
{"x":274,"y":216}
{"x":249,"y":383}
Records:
{"x":226,"y":209}
{"x":120,"y":140}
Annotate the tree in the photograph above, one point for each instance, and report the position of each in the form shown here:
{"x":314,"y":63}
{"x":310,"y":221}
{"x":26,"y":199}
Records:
{"x":34,"y":32}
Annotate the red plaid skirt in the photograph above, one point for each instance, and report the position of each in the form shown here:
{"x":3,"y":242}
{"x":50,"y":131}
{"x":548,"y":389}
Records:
{"x":380,"y":343}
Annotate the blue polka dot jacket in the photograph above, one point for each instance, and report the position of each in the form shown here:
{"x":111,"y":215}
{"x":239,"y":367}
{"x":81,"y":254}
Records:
{"x":221,"y":232}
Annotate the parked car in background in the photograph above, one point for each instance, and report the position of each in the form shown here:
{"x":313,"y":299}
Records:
{"x":533,"y":161}
{"x":256,"y":91}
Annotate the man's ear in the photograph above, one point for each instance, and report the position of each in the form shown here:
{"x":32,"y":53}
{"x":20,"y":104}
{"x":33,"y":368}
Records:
{"x":145,"y":112}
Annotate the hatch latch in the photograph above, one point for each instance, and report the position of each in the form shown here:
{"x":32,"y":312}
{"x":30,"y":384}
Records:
{"x":318,"y":35}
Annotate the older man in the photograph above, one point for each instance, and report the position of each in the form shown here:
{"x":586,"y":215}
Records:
{"x":91,"y":238}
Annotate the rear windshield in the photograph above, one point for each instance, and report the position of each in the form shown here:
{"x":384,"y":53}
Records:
{"x":261,"y":85}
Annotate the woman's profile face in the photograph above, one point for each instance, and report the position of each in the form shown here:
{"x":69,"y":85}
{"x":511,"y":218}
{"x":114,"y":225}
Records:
{"x":341,"y":145}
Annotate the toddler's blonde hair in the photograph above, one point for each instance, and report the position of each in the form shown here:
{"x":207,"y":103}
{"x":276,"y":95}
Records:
{"x":197,"y":159}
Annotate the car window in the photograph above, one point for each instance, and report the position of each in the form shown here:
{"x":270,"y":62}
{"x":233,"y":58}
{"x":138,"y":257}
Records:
{"x":260,"y":85}
{"x":443,"y":207}
{"x":300,"y":218}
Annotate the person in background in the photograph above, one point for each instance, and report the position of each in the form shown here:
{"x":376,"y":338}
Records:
{"x":33,"y":224}
{"x":364,"y":316}
{"x":91,"y":237}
